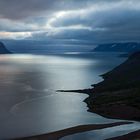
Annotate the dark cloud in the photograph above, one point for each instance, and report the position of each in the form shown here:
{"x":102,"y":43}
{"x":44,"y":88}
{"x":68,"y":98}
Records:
{"x":93,"y":21}
{"x":118,"y":21}
{"x":18,"y":9}
{"x":15,"y":9}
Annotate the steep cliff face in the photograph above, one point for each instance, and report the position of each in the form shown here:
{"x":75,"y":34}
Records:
{"x":3,"y":49}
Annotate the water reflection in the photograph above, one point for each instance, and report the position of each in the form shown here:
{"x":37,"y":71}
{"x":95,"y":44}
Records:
{"x":105,"y":133}
{"x":29,"y":104}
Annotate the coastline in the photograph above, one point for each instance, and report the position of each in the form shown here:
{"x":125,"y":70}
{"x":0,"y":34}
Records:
{"x":118,"y":109}
{"x":69,"y":131}
{"x":116,"y":97}
{"x":131,"y":136}
{"x":115,"y":105}
{"x":83,"y":128}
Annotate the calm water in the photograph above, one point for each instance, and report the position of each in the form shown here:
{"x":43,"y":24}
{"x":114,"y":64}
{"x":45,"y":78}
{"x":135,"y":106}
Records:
{"x":29,"y":104}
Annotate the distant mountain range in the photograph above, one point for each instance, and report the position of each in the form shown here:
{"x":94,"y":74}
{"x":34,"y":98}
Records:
{"x":118,"y":47}
{"x":3,"y":49}
{"x":128,"y":48}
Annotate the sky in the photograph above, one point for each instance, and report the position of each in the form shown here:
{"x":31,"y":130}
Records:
{"x":70,"y":21}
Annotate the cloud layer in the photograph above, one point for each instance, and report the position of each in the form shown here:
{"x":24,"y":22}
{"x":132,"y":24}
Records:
{"x":91,"y":21}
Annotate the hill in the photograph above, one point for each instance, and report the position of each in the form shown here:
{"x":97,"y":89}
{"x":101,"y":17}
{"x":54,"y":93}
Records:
{"x":123,"y":76}
{"x":118,"y":96}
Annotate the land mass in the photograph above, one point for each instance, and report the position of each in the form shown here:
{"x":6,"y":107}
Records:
{"x":118,"y":95}
{"x":62,"y":133}
{"x":118,"y":47}
{"x":3,"y":49}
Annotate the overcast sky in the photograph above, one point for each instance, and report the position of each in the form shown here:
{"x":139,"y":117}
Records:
{"x":90,"y":21}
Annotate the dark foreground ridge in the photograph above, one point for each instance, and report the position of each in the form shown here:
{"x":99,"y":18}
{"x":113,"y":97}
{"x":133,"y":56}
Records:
{"x":118,"y":47}
{"x":118,"y":96}
{"x":3,"y":49}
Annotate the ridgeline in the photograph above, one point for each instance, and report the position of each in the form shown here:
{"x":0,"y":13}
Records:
{"x":118,"y":95}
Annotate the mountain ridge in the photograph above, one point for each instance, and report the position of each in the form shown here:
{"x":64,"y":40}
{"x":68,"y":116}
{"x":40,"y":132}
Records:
{"x":118,"y":47}
{"x":118,"y":95}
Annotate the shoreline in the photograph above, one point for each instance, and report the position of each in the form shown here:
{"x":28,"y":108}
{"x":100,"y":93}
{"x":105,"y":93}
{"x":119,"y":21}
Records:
{"x":110,"y":111}
{"x":83,"y":128}
{"x":69,"y":131}
{"x":116,"y":97}
{"x":131,"y":136}
{"x":115,"y":110}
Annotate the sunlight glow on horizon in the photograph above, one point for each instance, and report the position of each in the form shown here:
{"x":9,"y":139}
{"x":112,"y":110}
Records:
{"x":81,"y":20}
{"x":15,"y":35}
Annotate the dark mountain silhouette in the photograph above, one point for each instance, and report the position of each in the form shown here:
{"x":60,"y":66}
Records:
{"x":3,"y":49}
{"x":125,"y":75}
{"x":118,"y":96}
{"x":118,"y":47}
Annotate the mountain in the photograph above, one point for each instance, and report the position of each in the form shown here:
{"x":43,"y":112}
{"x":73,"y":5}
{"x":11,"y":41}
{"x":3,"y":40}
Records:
{"x":118,"y":47}
{"x":123,"y":76}
{"x":44,"y":47}
{"x":3,"y":49}
{"x":118,"y":95}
